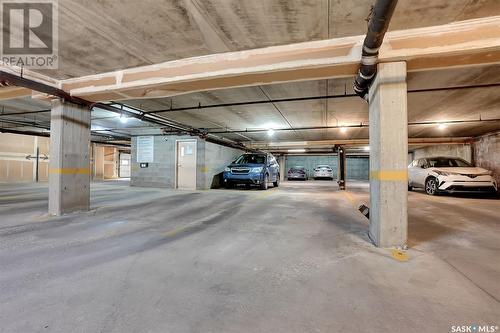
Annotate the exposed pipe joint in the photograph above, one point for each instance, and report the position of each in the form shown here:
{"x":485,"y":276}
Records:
{"x":377,"y":27}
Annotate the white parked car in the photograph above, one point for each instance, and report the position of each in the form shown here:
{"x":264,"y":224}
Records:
{"x":323,"y":171}
{"x":449,"y":174}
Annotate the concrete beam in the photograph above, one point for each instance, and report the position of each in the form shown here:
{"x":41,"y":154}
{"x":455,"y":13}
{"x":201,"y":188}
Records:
{"x":69,"y":168}
{"x":13,"y":92}
{"x":463,"y":43}
{"x":388,"y":114}
{"x":353,"y":143}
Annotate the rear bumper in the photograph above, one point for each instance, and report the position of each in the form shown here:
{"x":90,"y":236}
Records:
{"x":296,"y":176}
{"x":323,"y":175}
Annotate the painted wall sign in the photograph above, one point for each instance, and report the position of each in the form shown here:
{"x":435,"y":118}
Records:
{"x":145,"y":149}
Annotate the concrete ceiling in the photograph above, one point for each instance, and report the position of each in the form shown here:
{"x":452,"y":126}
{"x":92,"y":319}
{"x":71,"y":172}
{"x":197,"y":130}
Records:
{"x":440,"y":106}
{"x":443,"y":105}
{"x":100,"y":36}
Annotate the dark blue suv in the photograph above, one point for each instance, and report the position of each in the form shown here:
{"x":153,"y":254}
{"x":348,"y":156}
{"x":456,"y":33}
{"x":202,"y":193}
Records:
{"x":253,"y":169}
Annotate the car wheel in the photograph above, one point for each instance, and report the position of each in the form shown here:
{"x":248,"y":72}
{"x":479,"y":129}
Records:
{"x":263,"y":186}
{"x":431,"y":186}
{"x":410,"y":188}
{"x":277,"y":182}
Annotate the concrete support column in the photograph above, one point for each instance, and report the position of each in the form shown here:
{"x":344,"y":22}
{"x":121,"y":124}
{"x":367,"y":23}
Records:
{"x":69,"y":169}
{"x":388,"y":156}
{"x":281,"y":162}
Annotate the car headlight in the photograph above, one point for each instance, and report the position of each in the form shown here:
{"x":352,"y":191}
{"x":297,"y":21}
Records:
{"x":257,"y":169}
{"x":227,"y":169}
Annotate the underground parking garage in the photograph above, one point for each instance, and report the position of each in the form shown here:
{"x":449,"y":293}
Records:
{"x":250,"y":166}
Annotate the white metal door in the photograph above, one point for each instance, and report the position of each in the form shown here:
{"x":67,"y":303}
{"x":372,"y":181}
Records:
{"x":186,"y":165}
{"x":124,"y":169}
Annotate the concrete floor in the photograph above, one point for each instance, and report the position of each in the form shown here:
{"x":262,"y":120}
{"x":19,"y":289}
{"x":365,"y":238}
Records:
{"x":292,"y":259}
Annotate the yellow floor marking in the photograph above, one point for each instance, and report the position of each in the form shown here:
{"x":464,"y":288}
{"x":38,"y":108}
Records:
{"x":264,"y":195}
{"x":19,"y":196}
{"x":399,"y":255}
{"x":351,"y":199}
{"x":174,"y":232}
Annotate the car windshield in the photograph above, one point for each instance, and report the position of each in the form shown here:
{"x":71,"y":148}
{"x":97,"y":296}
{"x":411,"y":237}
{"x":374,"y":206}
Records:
{"x":251,"y":158}
{"x":444,"y":162}
{"x":297,"y":168}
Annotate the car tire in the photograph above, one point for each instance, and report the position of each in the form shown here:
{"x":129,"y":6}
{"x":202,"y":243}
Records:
{"x":277,"y":182}
{"x":410,"y":188}
{"x":431,"y":186}
{"x":264,"y":184}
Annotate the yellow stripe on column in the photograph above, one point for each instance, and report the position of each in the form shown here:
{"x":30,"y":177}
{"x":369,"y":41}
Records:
{"x":70,"y":171}
{"x":389,"y":175}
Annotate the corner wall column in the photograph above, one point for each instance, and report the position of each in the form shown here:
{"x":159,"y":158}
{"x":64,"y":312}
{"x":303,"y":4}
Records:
{"x":388,"y":156}
{"x":69,"y":169}
{"x":282,"y":162}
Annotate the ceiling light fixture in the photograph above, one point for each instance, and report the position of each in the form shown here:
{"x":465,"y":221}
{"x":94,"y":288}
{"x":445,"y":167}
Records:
{"x":442,"y":126}
{"x":270,"y":132}
{"x":296,"y":150}
{"x":343,"y":129}
{"x":366,"y":148}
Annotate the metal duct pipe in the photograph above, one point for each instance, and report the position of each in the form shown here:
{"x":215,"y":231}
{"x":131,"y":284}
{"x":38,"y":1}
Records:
{"x":377,"y":26}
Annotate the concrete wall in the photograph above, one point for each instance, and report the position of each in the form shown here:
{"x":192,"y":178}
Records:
{"x":211,"y":161}
{"x":14,"y":167}
{"x":310,"y":162}
{"x":160,"y":173}
{"x":486,"y":152}
{"x":357,"y":167}
{"x":463,"y":151}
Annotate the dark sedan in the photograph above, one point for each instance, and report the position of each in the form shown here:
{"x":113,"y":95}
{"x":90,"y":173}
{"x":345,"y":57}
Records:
{"x":297,"y":173}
